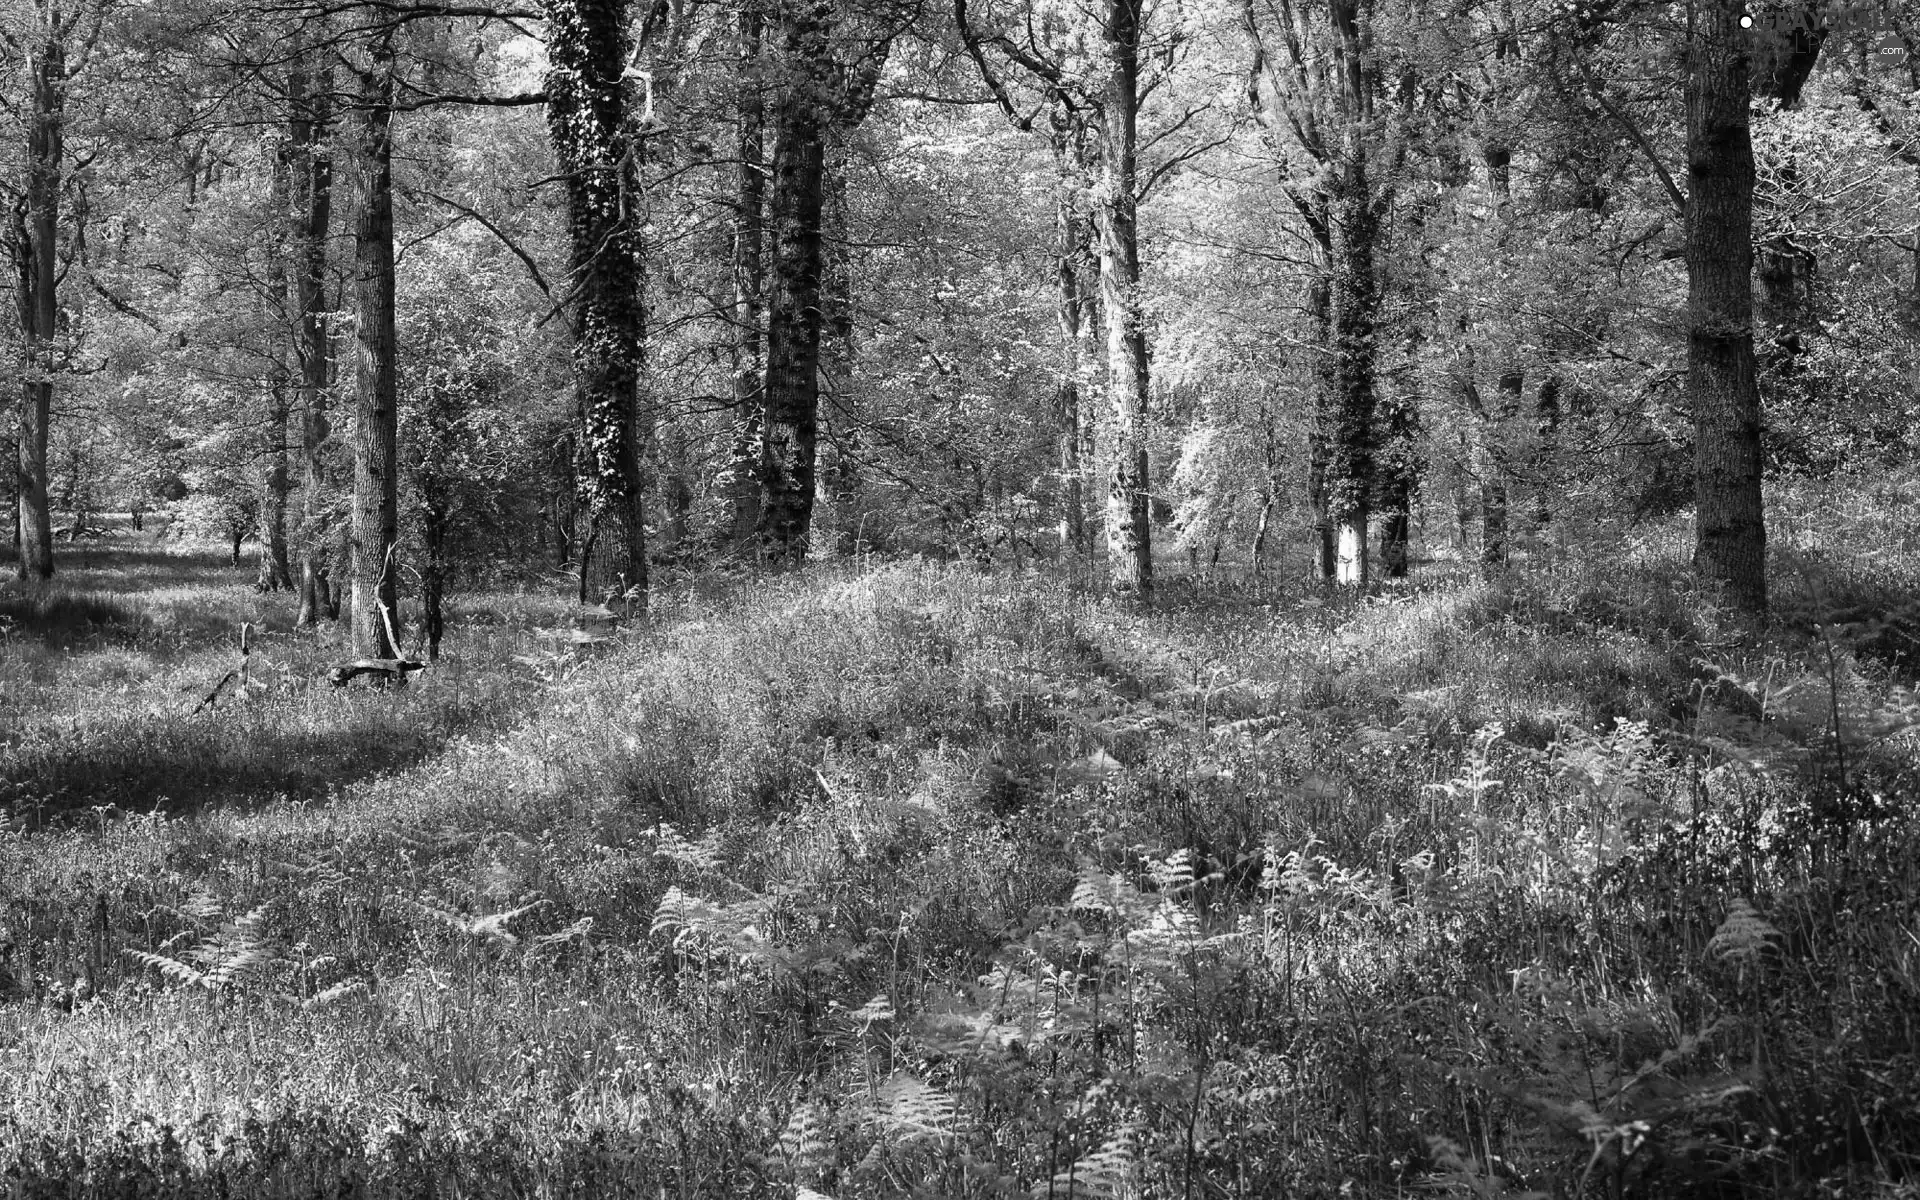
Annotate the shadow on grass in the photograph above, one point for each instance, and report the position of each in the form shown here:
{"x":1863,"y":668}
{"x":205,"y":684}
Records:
{"x":114,"y":565}
{"x":64,"y":619}
{"x":188,"y":762}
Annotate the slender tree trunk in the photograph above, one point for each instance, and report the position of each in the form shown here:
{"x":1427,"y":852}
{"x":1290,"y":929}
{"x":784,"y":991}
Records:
{"x":276,"y":569}
{"x":36,"y":236}
{"x":1399,"y":477}
{"x":1730,"y":540}
{"x":1074,"y":259}
{"x":741,"y":481}
{"x":310,"y":175}
{"x":1546,"y":456}
{"x":1496,"y":506}
{"x":1129,"y":515}
{"x":276,"y":574}
{"x":588,"y":122}
{"x":375,"y":604}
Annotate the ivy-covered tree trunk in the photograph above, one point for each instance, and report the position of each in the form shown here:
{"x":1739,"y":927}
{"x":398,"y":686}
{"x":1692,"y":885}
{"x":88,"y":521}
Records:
{"x":794,"y":317}
{"x":587,"y":119}
{"x":375,"y":598}
{"x":1355,"y":302}
{"x":310,"y":215}
{"x":1319,"y":310}
{"x":741,"y":481}
{"x":1730,"y":539}
{"x":1399,"y":479}
{"x":35,"y":241}
{"x":1129,"y":507}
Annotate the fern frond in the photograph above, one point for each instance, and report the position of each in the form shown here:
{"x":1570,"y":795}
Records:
{"x":1744,"y":935}
{"x":1104,"y":1174}
{"x":807,"y":1141}
{"x":171,"y":968}
{"x":912,"y":1106}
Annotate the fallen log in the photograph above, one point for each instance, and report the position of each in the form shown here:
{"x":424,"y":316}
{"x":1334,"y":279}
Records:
{"x":387,"y":669}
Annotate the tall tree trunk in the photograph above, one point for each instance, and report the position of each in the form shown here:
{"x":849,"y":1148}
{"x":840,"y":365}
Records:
{"x":1355,"y":302}
{"x":587,"y":120}
{"x":840,"y":473}
{"x":1730,"y":539}
{"x":276,"y":573}
{"x":794,"y":319}
{"x":276,"y":569}
{"x":10,"y":488}
{"x":1074,"y":298}
{"x":36,"y":234}
{"x":310,"y":175}
{"x":1129,"y":515}
{"x":741,"y":481}
{"x":374,"y":604}
{"x":1325,"y":383}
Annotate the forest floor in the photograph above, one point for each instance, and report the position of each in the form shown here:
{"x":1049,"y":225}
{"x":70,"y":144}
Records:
{"x":892,"y":879}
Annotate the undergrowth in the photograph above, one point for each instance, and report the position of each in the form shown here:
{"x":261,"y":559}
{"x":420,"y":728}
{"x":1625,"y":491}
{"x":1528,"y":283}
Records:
{"x":912,"y":881}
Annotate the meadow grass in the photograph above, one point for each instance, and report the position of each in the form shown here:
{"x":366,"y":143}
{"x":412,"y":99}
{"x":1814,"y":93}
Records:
{"x":906,"y":880}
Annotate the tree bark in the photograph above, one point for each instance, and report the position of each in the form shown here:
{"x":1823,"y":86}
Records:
{"x":840,"y":472}
{"x":1072,"y":304}
{"x":310,"y":176}
{"x":1319,"y":308}
{"x":588,"y":122}
{"x":276,"y":573}
{"x":276,"y":568}
{"x":35,"y":241}
{"x":1129,"y":515}
{"x":1730,"y":541}
{"x":790,"y":426}
{"x":742,"y":479}
{"x":1399,"y":478}
{"x":374,"y":604}
{"x":1355,"y":301}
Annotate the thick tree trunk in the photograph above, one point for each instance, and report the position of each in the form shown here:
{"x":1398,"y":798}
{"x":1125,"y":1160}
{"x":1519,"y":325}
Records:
{"x":1356,"y":301}
{"x":310,"y":176}
{"x":840,"y":472}
{"x":1129,"y":508}
{"x":794,"y":318}
{"x":36,"y":236}
{"x":1319,"y":309}
{"x":588,"y":121}
{"x":374,"y":606}
{"x":1730,"y":540}
{"x":10,"y":489}
{"x":741,"y":482}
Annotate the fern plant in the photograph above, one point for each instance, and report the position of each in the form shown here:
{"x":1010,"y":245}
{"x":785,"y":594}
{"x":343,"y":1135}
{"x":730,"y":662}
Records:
{"x":237,"y":951}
